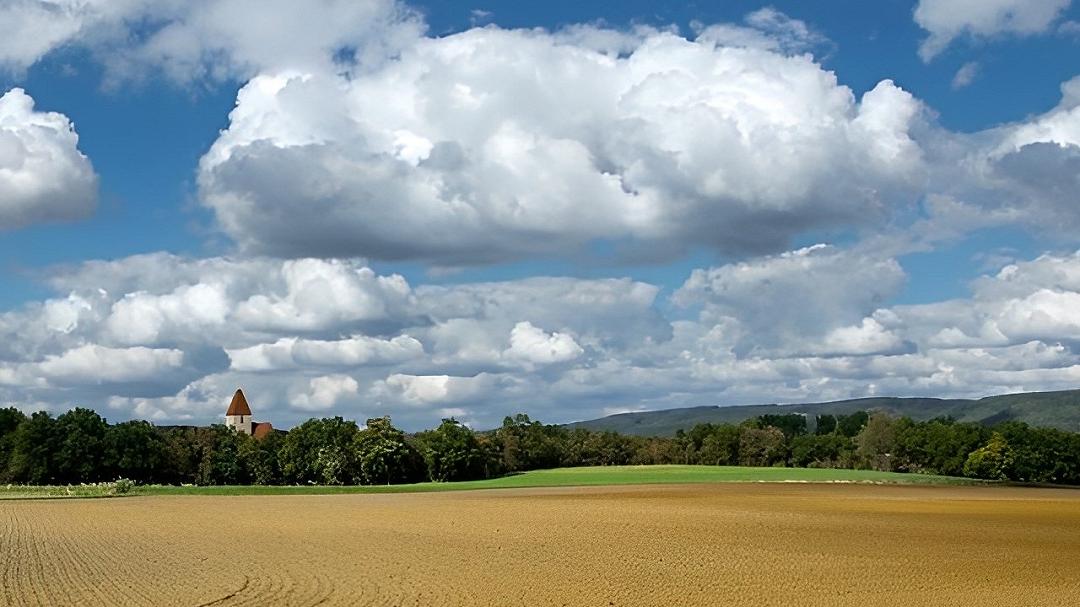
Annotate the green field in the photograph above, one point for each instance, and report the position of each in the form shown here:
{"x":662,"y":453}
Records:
{"x":560,"y":477}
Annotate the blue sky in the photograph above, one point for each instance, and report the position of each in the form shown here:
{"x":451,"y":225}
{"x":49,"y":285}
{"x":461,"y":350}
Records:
{"x":926,"y":192}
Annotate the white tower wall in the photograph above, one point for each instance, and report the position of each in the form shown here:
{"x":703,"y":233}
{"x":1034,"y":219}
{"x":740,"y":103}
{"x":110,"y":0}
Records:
{"x":240,"y":423}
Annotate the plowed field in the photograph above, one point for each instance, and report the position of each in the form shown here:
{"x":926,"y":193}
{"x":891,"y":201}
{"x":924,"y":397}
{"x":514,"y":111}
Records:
{"x":749,"y":544}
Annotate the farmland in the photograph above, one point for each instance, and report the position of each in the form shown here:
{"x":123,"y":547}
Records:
{"x":690,"y":544}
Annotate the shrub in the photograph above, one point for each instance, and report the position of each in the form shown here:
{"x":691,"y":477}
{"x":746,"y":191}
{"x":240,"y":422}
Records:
{"x":122,"y":486}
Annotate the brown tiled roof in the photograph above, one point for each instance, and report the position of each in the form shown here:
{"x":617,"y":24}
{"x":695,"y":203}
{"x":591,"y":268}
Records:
{"x":239,"y":405}
{"x":261,"y":429}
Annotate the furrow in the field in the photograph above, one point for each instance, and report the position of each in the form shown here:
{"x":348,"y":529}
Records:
{"x":229,"y":597}
{"x":269,"y":588}
{"x":34,"y":569}
{"x":76,"y":572}
{"x":102,"y":565}
{"x":188,"y":552}
{"x":313,"y":589}
{"x":17,"y":567}
{"x":110,"y":559}
{"x":13,"y":552}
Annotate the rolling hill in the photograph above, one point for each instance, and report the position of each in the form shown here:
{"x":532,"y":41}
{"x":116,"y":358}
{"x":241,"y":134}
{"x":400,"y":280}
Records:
{"x":1051,"y":409}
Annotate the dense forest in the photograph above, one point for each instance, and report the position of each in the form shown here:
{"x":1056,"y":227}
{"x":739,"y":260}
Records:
{"x":80,"y":447}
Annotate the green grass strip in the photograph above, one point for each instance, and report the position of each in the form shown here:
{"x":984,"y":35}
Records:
{"x":560,"y":477}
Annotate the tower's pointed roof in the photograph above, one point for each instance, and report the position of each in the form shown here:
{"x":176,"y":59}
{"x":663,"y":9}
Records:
{"x":239,"y":405}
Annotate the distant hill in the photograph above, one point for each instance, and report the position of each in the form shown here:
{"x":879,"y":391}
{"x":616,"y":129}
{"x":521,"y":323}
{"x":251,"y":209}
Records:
{"x":1049,"y":409}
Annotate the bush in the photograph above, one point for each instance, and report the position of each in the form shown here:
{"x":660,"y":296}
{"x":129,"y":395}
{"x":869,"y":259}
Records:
{"x":122,"y":486}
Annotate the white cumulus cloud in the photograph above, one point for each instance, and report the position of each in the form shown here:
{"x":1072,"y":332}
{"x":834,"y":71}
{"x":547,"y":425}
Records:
{"x":326,"y":391}
{"x":43,"y":175}
{"x":533,"y":345}
{"x":189,"y":40}
{"x":947,"y":20}
{"x":775,"y":303}
{"x":496,"y":144}
{"x":292,"y":353}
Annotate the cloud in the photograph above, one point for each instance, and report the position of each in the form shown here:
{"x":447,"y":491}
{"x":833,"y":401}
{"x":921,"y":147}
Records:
{"x":326,"y":391}
{"x":478,"y":16}
{"x":167,"y":337}
{"x":357,"y":135}
{"x":533,"y":345}
{"x":947,"y":20}
{"x":425,"y":390}
{"x":141,"y":317}
{"x":94,"y":364}
{"x":773,"y":304}
{"x":1021,"y":174}
{"x":43,"y":175}
{"x":181,"y":300}
{"x":965,"y":75}
{"x":1060,"y":126}
{"x":766,"y":28}
{"x":867,"y":337}
{"x":29,"y":29}
{"x":472,"y":321}
{"x":292,"y":353}
{"x":497,"y":144}
{"x":811,"y":324}
{"x":319,"y":294}
{"x":205,"y":40}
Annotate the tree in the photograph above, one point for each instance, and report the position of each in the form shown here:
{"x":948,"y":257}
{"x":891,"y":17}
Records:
{"x":877,"y":442}
{"x":182,"y":455}
{"x":937,"y":446}
{"x":851,"y":425}
{"x":34,"y":446}
{"x":134,"y":450}
{"x":791,"y":424}
{"x":826,"y":424}
{"x":259,"y":458}
{"x":321,"y":451}
{"x":1042,"y":455}
{"x":385,"y":456}
{"x":720,"y":447}
{"x":80,"y":456}
{"x":452,"y":452}
{"x":525,"y":444}
{"x":820,"y":451}
{"x":655,"y":450}
{"x":761,"y":446}
{"x":10,"y":418}
{"x":218,"y":449}
{"x":992,"y":461}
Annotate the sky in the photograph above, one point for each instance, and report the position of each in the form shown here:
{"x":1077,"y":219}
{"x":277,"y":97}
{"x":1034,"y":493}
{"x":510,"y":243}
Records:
{"x":570,"y":209}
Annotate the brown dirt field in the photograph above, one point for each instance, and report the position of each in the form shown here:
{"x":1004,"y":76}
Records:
{"x":737,"y":544}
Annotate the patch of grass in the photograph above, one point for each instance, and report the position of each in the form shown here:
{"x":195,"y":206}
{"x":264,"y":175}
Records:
{"x":66,"y":491}
{"x":559,"y":477}
{"x":590,"y":476}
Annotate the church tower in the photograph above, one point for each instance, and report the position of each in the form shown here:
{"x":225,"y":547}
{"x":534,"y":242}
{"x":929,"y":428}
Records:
{"x":238,"y":416}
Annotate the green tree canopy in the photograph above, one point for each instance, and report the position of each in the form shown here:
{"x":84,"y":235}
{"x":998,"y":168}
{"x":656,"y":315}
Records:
{"x":452,"y":452}
{"x":386,"y":456}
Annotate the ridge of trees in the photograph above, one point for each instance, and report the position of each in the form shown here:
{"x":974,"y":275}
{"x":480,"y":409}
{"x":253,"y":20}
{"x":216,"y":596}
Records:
{"x":79,"y":446}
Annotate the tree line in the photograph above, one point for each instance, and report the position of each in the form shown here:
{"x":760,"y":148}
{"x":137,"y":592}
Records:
{"x":79,"y":446}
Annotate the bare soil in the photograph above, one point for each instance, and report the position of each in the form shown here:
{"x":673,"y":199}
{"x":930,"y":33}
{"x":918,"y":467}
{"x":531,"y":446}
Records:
{"x":732,"y":544}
